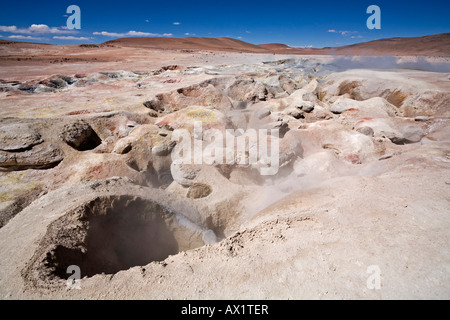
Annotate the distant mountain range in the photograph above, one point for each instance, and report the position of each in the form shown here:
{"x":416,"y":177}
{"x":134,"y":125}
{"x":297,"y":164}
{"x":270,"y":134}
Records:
{"x":433,"y":45}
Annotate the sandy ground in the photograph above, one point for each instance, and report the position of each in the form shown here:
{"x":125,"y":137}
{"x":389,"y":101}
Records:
{"x":346,"y":203}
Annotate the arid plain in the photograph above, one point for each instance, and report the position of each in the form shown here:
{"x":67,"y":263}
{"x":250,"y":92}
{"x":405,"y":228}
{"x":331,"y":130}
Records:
{"x":87,"y":176}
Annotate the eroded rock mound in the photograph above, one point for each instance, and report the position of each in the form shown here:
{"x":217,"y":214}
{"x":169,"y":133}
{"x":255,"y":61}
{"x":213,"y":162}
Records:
{"x":43,"y":156}
{"x":17,"y":136}
{"x":80,"y":136}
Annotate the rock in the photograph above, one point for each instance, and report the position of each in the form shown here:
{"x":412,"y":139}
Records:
{"x":184,"y":174}
{"x":153,"y":114}
{"x":322,"y":115}
{"x":122,"y":146}
{"x":42,"y":156}
{"x":311,"y":86}
{"x":199,"y":190}
{"x":294,"y":112}
{"x":41,"y":88}
{"x":82,"y":83}
{"x":282,"y":126}
{"x":338,"y":108}
{"x":239,"y":105}
{"x":422,"y":118}
{"x":261,"y":114}
{"x":405,"y":136}
{"x":54,"y":82}
{"x":368,"y":131}
{"x":287,"y":84}
{"x":306,"y":106}
{"x":276,"y":92}
{"x":164,"y":148}
{"x":16,"y":137}
{"x":290,"y":148}
{"x":413,"y":134}
{"x":80,"y":136}
{"x":154,"y":104}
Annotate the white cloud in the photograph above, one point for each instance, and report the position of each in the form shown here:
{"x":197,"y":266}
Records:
{"x":21,"y":37}
{"x":176,"y":23}
{"x":1,"y":36}
{"x":139,"y":34}
{"x":147,"y":20}
{"x":8,"y":28}
{"x":246,"y":31}
{"x":342,"y":32}
{"x":109,"y":34}
{"x":189,"y":34}
{"x":70,"y":38}
{"x":37,"y":29}
{"x":239,"y":37}
{"x":131,"y":34}
{"x":357,"y":37}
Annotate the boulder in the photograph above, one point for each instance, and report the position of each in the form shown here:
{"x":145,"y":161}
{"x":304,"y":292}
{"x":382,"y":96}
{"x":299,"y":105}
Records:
{"x":368,"y":131}
{"x":410,"y":134}
{"x":163,"y":147}
{"x":261,"y":114}
{"x":184,"y":174}
{"x":122,"y":146}
{"x":338,"y":108}
{"x":282,"y":126}
{"x":18,"y":136}
{"x":306,"y":106}
{"x":80,"y":136}
{"x":154,"y":104}
{"x":295,"y":113}
{"x":287,"y":84}
{"x":42,"y":156}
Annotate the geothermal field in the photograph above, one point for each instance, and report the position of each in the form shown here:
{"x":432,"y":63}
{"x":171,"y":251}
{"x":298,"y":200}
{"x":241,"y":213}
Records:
{"x":209,"y":168}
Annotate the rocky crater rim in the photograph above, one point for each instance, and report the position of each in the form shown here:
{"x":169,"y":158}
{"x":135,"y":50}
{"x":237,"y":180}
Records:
{"x":111,"y":233}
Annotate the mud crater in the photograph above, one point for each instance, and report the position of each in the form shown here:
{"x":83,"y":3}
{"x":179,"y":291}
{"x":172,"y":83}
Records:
{"x":107,"y":235}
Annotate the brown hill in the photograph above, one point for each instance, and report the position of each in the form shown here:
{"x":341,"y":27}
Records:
{"x":434,"y":45}
{"x":275,"y":46}
{"x":22,"y":43}
{"x":192,"y":43}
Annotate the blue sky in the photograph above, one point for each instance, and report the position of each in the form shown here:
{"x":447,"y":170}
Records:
{"x":296,"y":23}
